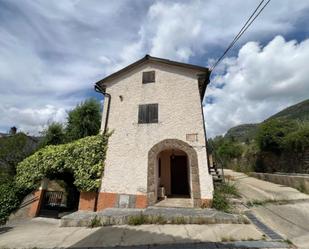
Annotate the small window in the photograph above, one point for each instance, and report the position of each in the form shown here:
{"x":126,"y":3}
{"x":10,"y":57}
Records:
{"x":148,"y":77}
{"x":148,"y":113}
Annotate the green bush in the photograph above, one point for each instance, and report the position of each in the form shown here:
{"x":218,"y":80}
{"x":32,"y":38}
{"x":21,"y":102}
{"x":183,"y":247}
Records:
{"x":8,"y":200}
{"x":54,"y":134}
{"x":297,"y":141}
{"x":270,"y":135}
{"x":221,"y":194}
{"x":14,"y":149}
{"x":220,"y":202}
{"x":83,"y":158}
{"x":229,"y":150}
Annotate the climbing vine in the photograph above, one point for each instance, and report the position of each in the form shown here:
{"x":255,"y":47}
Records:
{"x":84,"y":158}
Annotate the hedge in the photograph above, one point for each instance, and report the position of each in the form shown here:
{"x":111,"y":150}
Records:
{"x":83,"y":158}
{"x":8,"y":200}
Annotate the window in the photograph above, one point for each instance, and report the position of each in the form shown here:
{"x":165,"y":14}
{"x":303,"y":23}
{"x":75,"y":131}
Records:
{"x":148,"y":77}
{"x":148,"y":113}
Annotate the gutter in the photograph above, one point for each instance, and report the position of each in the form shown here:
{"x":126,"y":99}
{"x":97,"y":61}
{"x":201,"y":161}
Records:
{"x":206,"y":82}
{"x":101,"y":90}
{"x":98,"y":89}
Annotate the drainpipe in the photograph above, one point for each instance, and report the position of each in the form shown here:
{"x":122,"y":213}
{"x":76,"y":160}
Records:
{"x":204,"y":126}
{"x":98,"y":89}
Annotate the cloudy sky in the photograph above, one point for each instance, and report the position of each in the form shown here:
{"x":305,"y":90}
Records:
{"x":51,"y":53}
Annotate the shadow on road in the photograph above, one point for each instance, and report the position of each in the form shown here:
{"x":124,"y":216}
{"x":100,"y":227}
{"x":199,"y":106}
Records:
{"x":128,"y":236}
{"x":5,"y":229}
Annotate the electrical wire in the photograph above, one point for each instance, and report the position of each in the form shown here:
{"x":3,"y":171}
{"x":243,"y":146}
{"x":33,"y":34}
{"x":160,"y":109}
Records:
{"x":248,"y":23}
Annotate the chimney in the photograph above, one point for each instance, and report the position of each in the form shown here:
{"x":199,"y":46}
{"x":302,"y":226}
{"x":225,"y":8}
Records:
{"x":13,"y":130}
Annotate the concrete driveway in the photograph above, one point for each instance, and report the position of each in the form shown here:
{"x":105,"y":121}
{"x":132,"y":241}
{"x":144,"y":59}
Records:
{"x":46,"y":233}
{"x":289,"y":218}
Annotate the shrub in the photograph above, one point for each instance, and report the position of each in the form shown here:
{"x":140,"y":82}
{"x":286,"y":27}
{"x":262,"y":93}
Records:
{"x":14,"y":149}
{"x":271,"y":134}
{"x":83,"y":158}
{"x":95,"y":222}
{"x":8,"y":200}
{"x":229,"y":150}
{"x":53,"y":135}
{"x":297,"y":141}
{"x":221,"y":194}
{"x":220,"y":202}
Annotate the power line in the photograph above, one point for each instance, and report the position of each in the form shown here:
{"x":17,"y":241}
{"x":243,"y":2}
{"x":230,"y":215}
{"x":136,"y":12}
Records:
{"x":242,"y":31}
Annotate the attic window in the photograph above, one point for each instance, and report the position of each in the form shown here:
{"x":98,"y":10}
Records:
{"x":148,"y":77}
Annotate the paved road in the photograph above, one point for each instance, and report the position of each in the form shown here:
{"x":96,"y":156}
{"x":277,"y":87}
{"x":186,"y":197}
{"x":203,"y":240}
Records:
{"x":46,"y":233}
{"x":290,"y":218}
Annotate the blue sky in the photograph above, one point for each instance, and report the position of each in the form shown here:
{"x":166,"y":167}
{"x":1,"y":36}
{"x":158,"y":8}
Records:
{"x":51,"y":53}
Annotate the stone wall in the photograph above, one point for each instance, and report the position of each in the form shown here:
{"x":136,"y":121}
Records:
{"x":298,"y":181}
{"x":288,"y":162}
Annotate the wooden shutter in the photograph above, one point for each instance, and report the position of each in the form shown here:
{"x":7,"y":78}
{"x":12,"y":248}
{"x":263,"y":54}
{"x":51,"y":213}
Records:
{"x":148,"y":77}
{"x":142,"y":114}
{"x":153,"y":113}
{"x":148,"y":113}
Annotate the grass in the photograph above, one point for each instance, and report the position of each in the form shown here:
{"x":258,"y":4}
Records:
{"x":302,"y":188}
{"x":161,"y":220}
{"x":222,"y":194}
{"x":231,"y":239}
{"x":138,"y":220}
{"x":179,"y":220}
{"x":227,"y":239}
{"x":264,"y":202}
{"x":288,"y":242}
{"x":95,"y":222}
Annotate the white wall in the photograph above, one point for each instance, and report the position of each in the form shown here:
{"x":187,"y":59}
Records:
{"x":176,"y":92}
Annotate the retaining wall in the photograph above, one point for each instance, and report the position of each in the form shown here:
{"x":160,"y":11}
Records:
{"x":300,"y":182}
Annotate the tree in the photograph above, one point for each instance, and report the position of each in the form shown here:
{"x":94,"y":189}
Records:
{"x":270,"y":135}
{"x":53,"y":135}
{"x":229,"y":150}
{"x":84,"y":120}
{"x":297,"y":141}
{"x":14,"y":149}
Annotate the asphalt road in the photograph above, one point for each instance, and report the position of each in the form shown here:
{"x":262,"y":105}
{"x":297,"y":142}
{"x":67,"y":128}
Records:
{"x":289,"y":218}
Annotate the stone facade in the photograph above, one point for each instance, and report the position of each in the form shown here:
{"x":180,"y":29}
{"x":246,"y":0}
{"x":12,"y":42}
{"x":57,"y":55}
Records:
{"x":131,"y":164}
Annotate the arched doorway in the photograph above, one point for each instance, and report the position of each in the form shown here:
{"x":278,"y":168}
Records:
{"x":60,"y":195}
{"x":184,"y":159}
{"x":173,"y":174}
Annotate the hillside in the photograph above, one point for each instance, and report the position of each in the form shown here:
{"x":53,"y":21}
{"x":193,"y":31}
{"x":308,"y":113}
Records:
{"x":299,"y":111}
{"x":244,"y":132}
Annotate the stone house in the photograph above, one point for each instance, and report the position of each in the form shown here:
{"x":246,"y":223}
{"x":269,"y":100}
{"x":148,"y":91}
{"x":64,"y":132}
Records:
{"x":157,"y":149}
{"x":157,"y":152}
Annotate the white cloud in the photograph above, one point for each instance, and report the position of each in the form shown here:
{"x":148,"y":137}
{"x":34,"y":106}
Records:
{"x":33,"y":120}
{"x":181,"y":30}
{"x":258,"y":83}
{"x":51,"y":52}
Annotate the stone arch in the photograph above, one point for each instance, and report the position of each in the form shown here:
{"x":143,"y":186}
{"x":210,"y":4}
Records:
{"x":193,"y":164}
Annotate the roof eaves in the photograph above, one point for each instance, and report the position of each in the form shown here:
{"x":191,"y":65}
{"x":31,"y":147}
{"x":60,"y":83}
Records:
{"x":154,"y":59}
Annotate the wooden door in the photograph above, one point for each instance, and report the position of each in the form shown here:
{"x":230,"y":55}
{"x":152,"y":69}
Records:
{"x":179,"y":176}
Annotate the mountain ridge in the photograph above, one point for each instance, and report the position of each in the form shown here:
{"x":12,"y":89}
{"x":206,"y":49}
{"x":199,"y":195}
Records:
{"x":244,"y":132}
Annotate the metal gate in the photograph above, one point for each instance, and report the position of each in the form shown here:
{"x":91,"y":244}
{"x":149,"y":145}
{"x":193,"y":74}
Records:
{"x":52,"y":203}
